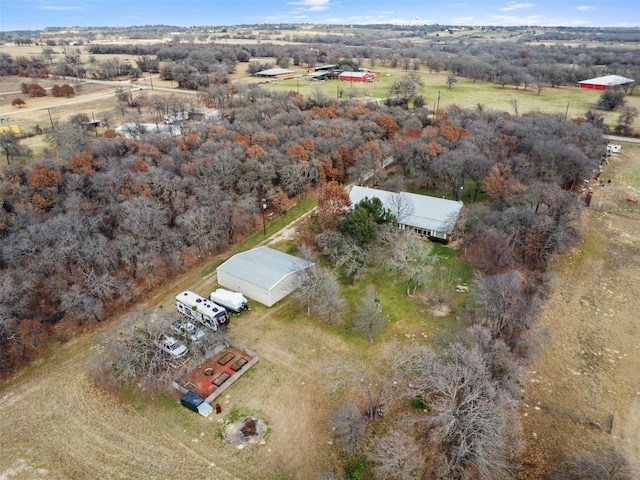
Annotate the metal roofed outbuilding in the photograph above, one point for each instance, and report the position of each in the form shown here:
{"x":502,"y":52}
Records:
{"x":606,"y":82}
{"x":274,"y":72}
{"x":262,"y":274}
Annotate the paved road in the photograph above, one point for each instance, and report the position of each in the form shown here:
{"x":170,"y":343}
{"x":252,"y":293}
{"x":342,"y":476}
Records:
{"x":83,"y":99}
{"x":615,"y":138}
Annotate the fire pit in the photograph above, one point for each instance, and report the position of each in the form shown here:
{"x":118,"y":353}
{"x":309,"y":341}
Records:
{"x":245,"y":431}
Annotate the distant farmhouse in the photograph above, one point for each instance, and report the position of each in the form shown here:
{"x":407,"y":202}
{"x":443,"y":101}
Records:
{"x":138,"y":130}
{"x":200,"y":114}
{"x":606,"y":83}
{"x":431,"y":217}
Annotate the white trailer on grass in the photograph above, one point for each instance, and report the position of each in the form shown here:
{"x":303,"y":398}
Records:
{"x":233,"y":301}
{"x":204,"y":311}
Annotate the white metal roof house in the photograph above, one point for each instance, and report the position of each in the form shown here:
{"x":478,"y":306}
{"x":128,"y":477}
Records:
{"x":262,"y":274}
{"x":428,"y":216}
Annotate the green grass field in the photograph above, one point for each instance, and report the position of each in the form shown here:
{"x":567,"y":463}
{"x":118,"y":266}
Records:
{"x":566,"y":100}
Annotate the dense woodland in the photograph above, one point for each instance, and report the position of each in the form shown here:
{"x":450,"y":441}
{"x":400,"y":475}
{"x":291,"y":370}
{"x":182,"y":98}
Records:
{"x":91,"y":228}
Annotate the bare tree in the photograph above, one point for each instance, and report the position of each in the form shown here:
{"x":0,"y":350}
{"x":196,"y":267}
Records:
{"x":502,"y":303}
{"x":319,"y":289}
{"x":375,"y":387}
{"x":411,"y":258}
{"x":10,"y":146}
{"x":401,"y":206}
{"x":397,"y":456}
{"x":472,"y":426}
{"x":369,"y":317}
{"x":350,"y":427}
{"x":605,"y":464}
{"x":132,"y":354}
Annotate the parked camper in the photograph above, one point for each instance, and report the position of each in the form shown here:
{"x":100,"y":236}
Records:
{"x":233,"y":301}
{"x":611,"y":148}
{"x":201,"y":310}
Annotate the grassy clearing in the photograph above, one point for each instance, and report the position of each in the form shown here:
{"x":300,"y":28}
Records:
{"x":566,"y":100}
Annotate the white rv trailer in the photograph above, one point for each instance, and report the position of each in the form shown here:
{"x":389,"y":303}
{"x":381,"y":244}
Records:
{"x":204,"y":311}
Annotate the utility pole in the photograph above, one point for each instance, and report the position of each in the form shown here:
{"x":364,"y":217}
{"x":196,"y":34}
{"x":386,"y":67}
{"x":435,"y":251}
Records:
{"x":51,"y":120}
{"x":264,"y":221}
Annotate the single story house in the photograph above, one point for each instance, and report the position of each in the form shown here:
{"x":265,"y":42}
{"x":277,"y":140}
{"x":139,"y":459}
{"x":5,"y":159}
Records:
{"x":138,"y":130}
{"x":431,"y":217}
{"x":200,"y":114}
{"x":606,"y":82}
{"x":262,"y":274}
{"x":357,"y":77}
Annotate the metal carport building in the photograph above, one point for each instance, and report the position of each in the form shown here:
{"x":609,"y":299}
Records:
{"x":262,"y":274}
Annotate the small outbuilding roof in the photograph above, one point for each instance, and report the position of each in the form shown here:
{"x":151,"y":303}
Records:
{"x":356,"y":74}
{"x":608,"y":81}
{"x":274,"y":72}
{"x":263,"y":266}
{"x":429,"y":213}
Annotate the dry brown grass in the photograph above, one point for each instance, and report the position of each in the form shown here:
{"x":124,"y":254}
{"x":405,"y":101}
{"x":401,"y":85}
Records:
{"x":589,"y":364}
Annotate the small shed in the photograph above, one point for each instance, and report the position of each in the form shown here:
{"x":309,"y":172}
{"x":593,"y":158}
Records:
{"x":262,"y":274}
{"x":357,"y":77}
{"x":607,"y":82}
{"x":196,"y":404}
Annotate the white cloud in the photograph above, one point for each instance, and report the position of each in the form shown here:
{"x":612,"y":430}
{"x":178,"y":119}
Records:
{"x":585,"y":8}
{"x":59,"y":7}
{"x":310,"y":5}
{"x":516,"y":6}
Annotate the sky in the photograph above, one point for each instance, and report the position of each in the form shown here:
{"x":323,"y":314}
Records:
{"x":38,"y":14}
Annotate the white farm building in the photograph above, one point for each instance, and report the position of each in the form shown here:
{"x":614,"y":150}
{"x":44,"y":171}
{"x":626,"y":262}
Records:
{"x":262,"y":274}
{"x":427,"y":216}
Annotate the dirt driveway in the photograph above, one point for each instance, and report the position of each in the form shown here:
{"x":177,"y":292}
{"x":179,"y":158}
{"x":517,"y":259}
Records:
{"x":583,"y":390}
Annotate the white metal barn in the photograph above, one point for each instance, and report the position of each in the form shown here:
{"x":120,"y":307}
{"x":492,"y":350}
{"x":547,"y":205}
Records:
{"x":262,"y":274}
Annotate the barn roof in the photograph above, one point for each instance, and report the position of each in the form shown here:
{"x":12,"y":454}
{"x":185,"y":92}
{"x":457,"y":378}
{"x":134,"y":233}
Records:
{"x":429,"y":213}
{"x":263,"y":266}
{"x":356,"y":74}
{"x":608,"y":81}
{"x":274,"y":72}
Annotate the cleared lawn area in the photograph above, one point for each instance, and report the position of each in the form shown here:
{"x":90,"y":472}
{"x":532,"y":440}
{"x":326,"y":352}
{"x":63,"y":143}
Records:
{"x":134,"y":434}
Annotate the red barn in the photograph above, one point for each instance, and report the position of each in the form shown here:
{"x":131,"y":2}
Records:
{"x":357,"y":76}
{"x":605,"y":83}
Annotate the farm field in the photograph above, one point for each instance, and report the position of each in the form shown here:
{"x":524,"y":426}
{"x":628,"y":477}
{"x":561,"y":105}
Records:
{"x":98,"y":100}
{"x":585,"y":379}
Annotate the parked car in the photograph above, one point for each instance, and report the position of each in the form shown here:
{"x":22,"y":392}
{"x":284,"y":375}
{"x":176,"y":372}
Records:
{"x":172,"y":346}
{"x":187,"y":330}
